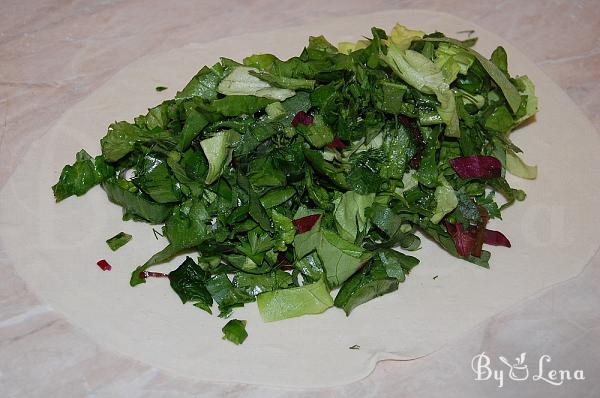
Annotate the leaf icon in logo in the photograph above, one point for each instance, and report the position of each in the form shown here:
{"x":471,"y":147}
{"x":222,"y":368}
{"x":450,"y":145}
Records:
{"x":519,"y":370}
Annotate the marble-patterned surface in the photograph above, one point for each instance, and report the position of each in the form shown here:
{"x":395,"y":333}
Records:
{"x":53,"y":53}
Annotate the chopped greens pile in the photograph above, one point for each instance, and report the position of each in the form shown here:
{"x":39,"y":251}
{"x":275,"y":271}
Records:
{"x":294,"y":178}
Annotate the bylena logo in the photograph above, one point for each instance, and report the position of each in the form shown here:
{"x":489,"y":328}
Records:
{"x":519,"y":370}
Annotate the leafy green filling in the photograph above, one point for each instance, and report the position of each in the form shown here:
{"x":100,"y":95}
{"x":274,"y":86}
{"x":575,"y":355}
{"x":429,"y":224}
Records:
{"x":358,"y":140}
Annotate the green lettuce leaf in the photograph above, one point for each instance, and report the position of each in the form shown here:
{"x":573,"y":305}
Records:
{"x":446,"y":201}
{"x":218,"y":150}
{"x":155,"y":179}
{"x":527,"y":89}
{"x":452,"y":60}
{"x":226,"y":295}
{"x":310,"y":267}
{"x":204,"y":84}
{"x":392,"y":96}
{"x":516,"y":166}
{"x":190,"y":170}
{"x":381,"y":276}
{"x":371,"y":282}
{"x":188,"y":281}
{"x":508,"y":89}
{"x":402,"y":37}
{"x":241,"y":82}
{"x":194,"y":124}
{"x":399,"y":148}
{"x":134,"y":203}
{"x":296,"y":301}
{"x":340,"y":258}
{"x":80,"y":177}
{"x":277,"y":197}
{"x":122,"y":137}
{"x":415,"y":69}
{"x":346,"y":47}
{"x":187,"y":227}
{"x":424,"y":75}
{"x":318,"y":134}
{"x":320,"y":43}
{"x":284,"y":82}
{"x":255,"y":284}
{"x":349,"y":214}
{"x":236,"y":105}
{"x":307,"y":242}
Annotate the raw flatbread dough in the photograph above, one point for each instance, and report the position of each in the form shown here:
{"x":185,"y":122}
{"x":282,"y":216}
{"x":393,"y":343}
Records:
{"x":54,"y":247}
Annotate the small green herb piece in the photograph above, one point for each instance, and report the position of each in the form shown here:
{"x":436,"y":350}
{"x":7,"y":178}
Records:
{"x":118,"y":241}
{"x":160,"y":88}
{"x":235,"y":331}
